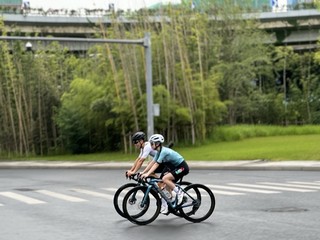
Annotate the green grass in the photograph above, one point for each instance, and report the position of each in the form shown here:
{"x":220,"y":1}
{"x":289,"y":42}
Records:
{"x":239,"y":132}
{"x":301,"y":147}
{"x":241,"y":142}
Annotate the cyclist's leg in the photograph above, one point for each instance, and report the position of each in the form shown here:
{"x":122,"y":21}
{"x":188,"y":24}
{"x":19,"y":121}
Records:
{"x":162,"y":170}
{"x":176,"y":174}
{"x":172,"y":177}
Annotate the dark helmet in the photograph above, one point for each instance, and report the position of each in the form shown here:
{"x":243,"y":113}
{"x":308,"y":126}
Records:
{"x":138,"y":136}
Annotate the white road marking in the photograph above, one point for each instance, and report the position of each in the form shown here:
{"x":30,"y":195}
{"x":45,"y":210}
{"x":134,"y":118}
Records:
{"x":215,"y":191}
{"x":92,"y":193}
{"x":110,"y":189}
{"x":61,"y":196}
{"x":307,"y":183}
{"x":21,"y":198}
{"x":303,"y":186}
{"x":241,"y":189}
{"x":286,"y":185}
{"x":267,"y":187}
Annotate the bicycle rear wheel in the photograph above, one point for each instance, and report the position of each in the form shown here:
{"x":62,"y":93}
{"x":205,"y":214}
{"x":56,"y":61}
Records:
{"x":137,"y":201}
{"x":199,"y":203}
{"x":119,"y":195}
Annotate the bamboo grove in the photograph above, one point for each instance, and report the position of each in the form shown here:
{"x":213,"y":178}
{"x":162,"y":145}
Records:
{"x":208,"y":69}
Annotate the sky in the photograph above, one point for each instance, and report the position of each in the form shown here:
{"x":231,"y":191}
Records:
{"x":93,"y":4}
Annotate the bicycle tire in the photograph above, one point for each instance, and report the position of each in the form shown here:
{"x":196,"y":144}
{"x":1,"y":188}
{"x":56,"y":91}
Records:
{"x":117,"y":195}
{"x":153,"y":201}
{"x":200,"y":193}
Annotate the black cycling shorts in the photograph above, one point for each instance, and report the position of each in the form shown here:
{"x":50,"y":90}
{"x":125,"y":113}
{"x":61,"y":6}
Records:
{"x":180,"y":171}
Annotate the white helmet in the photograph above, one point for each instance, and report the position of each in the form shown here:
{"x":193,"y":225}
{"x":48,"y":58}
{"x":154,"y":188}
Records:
{"x":156,"y":138}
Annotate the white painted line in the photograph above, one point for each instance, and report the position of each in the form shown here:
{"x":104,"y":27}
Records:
{"x":21,"y":198}
{"x":92,"y":193}
{"x":215,"y":191}
{"x":110,"y":189}
{"x":307,"y":183}
{"x":1,"y":205}
{"x":241,"y":189}
{"x":303,"y":186}
{"x":61,"y":196}
{"x":287,"y":185}
{"x":266,"y":187}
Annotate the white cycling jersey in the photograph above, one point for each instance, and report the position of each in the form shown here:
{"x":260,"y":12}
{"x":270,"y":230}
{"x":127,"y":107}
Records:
{"x":147,"y":150}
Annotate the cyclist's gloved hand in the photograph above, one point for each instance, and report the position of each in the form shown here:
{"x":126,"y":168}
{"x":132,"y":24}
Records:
{"x":129,"y":173}
{"x":143,"y":176}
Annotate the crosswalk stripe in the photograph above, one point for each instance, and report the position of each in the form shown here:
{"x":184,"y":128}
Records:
{"x":241,"y":189}
{"x":61,"y":196}
{"x":286,"y":185}
{"x":21,"y":198}
{"x":110,"y":189}
{"x":266,"y":187}
{"x":215,"y":191}
{"x":307,"y":183}
{"x":92,"y":193}
{"x":303,"y":186}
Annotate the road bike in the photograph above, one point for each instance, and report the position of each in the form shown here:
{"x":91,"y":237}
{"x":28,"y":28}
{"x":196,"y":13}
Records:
{"x":141,"y":204}
{"x":120,"y":193}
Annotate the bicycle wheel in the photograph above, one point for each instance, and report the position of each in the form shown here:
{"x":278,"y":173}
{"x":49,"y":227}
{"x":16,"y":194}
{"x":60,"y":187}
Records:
{"x":136,"y":201}
{"x":199,"y":203}
{"x":119,"y":195}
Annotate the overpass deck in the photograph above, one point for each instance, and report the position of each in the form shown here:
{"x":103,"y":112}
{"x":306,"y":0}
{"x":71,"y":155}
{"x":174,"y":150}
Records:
{"x":300,"y":28}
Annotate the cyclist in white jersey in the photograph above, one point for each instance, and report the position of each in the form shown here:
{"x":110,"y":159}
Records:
{"x":138,"y":139}
{"x":178,"y":169}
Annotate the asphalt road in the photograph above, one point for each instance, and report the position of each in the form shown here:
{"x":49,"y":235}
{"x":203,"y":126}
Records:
{"x":63,"y":204}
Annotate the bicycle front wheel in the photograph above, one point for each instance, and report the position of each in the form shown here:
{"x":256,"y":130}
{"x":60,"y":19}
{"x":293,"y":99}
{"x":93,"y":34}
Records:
{"x":119,"y":195}
{"x":198,"y":204}
{"x":139,"y":200}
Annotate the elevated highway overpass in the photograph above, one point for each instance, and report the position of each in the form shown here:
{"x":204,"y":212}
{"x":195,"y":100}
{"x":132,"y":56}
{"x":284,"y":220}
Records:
{"x":299,"y":28}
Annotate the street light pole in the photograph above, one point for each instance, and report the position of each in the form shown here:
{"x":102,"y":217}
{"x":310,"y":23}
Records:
{"x":148,"y":58}
{"x":145,"y":42}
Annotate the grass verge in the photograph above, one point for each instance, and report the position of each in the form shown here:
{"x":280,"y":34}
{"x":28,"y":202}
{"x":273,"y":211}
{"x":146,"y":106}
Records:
{"x":240,"y":142}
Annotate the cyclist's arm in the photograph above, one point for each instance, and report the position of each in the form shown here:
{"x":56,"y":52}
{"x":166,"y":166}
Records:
{"x":137,"y":164}
{"x":150,"y":164}
{"x":154,"y":166}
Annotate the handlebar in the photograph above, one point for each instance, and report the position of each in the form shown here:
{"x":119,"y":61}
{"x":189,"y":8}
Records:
{"x":151,"y":179}
{"x":137,"y":177}
{"x":133,"y":177}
